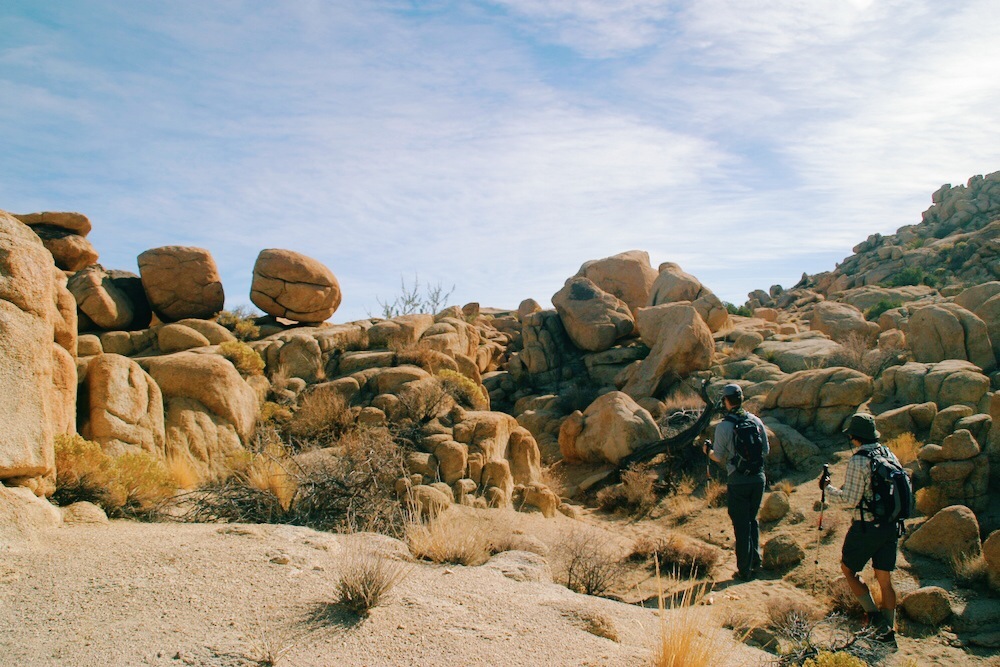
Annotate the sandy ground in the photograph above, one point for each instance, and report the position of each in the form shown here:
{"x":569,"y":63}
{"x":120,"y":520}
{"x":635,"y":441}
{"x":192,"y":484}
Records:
{"x":168,"y":594}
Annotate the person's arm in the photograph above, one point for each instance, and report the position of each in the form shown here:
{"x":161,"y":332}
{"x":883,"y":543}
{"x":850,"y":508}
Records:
{"x":854,"y":484}
{"x":722,"y":446}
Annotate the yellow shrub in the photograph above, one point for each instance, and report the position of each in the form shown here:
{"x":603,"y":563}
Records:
{"x":80,"y":463}
{"x":905,"y":446}
{"x":243,"y":357}
{"x":241,"y":322}
{"x":136,"y":483}
{"x":465,"y":392}
{"x":838,"y":659}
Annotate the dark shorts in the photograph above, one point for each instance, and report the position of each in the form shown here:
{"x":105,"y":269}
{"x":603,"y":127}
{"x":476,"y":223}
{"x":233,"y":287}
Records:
{"x":867,"y":542}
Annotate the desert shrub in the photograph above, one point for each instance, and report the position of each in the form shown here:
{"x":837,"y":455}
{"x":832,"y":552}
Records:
{"x":787,"y":617}
{"x":905,"y":446}
{"x":424,"y":402}
{"x":911,"y":275}
{"x":873,"y":313}
{"x":838,"y":659}
{"x":784,"y":485}
{"x":81,"y":470}
{"x":243,"y":357}
{"x":182,"y":472}
{"x":273,"y":414}
{"x":733,"y":309}
{"x":634,"y":495}
{"x":320,"y":419}
{"x":240,"y":321}
{"x":585,"y":561}
{"x":417,"y":354}
{"x":414,"y":299}
{"x":678,"y":553}
{"x":366,"y":577}
{"x":859,"y":353}
{"x":131,"y":485}
{"x":353,"y":490}
{"x":715,"y":493}
{"x":465,"y":392}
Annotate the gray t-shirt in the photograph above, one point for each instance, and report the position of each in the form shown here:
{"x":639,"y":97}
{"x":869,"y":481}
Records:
{"x":724,"y":448}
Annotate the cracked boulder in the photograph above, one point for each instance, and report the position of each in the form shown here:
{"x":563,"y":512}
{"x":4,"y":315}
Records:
{"x":290,"y":285}
{"x":180,"y":282}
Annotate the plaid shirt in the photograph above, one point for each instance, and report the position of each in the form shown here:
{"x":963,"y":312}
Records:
{"x":858,"y":482}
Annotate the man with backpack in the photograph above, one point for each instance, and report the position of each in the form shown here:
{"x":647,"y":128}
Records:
{"x":740,"y":445}
{"x":877,"y":489}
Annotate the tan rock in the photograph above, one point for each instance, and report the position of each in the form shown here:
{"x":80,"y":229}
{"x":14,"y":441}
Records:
{"x":627,"y":275}
{"x":100,"y":300}
{"x":929,"y":605}
{"x":524,"y":456}
{"x":302,"y":357}
{"x":947,"y":383}
{"x":291,"y":285}
{"x":540,"y":496}
{"x":26,"y":358}
{"x":177,"y":338}
{"x":124,"y":407}
{"x":65,"y":321}
{"x":947,"y":331}
{"x":593,"y":319}
{"x":215,"y":333}
{"x":821,"y":399}
{"x":23,"y":516}
{"x":77,"y":223}
{"x":959,"y":446}
{"x":496,"y":475}
{"x":952,"y":532}
{"x":991,"y":554}
{"x":399,"y":332}
{"x":428,"y":501}
{"x":453,"y":460}
{"x":613,"y":426}
{"x":63,"y":392}
{"x":70,"y":251}
{"x":781,"y":551}
{"x":673,"y":284}
{"x":486,"y":433}
{"x":680,"y":341}
{"x":181,"y":282}
{"x":842,"y":322}
{"x":774,"y":507}
{"x":945,"y":420}
{"x":527,"y":307}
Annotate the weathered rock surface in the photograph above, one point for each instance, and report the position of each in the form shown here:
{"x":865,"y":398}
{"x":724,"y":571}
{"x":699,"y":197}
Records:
{"x":673,"y":284}
{"x":608,"y":430}
{"x":798,"y":352}
{"x":70,"y":252}
{"x":293,"y":286}
{"x":952,"y":532}
{"x":948,"y":331}
{"x":929,"y":605}
{"x":842,"y":322}
{"x":991,"y":554}
{"x":76,"y":223}
{"x":680,"y":343}
{"x":181,"y":281}
{"x":947,"y":383}
{"x":100,"y":300}
{"x":594,"y":319}
{"x":628,"y":276}
{"x":821,"y":399}
{"x":124,"y":407}
{"x":781,"y":551}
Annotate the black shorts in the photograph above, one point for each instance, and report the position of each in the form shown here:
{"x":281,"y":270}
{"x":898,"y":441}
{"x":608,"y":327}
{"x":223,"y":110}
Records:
{"x":866,"y":542}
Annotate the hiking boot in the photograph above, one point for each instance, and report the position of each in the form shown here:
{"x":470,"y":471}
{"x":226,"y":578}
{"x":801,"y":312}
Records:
{"x":743,"y":576}
{"x":872,"y":619}
{"x":885,"y":635}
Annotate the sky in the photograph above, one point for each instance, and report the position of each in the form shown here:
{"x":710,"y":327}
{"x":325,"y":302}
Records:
{"x":495,"y":146}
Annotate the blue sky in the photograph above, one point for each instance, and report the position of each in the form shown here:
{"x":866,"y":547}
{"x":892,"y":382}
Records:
{"x":497,"y":145}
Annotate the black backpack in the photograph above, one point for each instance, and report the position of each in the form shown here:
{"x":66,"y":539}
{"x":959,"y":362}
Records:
{"x":748,"y":443}
{"x":891,"y":498}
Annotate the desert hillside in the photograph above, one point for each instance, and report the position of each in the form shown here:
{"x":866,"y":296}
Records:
{"x":445,"y":484}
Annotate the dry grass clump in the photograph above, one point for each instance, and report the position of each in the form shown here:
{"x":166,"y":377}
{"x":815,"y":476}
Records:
{"x":715,"y":493}
{"x":842,"y":600}
{"x":678,"y":552}
{"x":449,"y":538}
{"x":586,"y":561}
{"x":833,"y":523}
{"x":905,"y":446}
{"x":321,"y":418}
{"x":784,"y":485}
{"x":131,"y":485}
{"x":182,"y":472}
{"x":688,"y":637}
{"x":466,"y":393}
{"x":418,"y":354}
{"x":786,"y":616}
{"x":246,"y":359}
{"x":634,"y":495}
{"x":971,"y":571}
{"x":366,"y":578}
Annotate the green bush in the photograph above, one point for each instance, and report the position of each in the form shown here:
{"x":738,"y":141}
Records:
{"x":911,"y":275}
{"x":733,"y":309}
{"x":240,"y":321}
{"x":873,"y":313}
{"x":838,"y":659}
{"x":243,"y":357}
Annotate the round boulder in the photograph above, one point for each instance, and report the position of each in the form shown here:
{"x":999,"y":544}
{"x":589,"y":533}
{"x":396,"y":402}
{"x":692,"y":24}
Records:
{"x":181,"y":282}
{"x":774,"y":507}
{"x":782,"y":551}
{"x":928,"y":605}
{"x":949,"y":534}
{"x":290,"y":285}
{"x":97,"y":297}
{"x":593,"y":319}
{"x":948,"y":331}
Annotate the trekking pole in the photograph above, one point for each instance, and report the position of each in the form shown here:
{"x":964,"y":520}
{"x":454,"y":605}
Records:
{"x":819,"y":531}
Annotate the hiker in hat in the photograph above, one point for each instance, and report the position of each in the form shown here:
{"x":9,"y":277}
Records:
{"x":867,"y":539}
{"x":740,"y":445}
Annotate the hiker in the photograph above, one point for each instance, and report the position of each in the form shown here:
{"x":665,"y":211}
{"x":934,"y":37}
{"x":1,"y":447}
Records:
{"x":869,"y":538}
{"x":740,"y":445}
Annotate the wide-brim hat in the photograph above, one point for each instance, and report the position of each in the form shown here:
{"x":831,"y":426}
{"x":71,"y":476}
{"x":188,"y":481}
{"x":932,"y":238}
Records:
{"x":862,"y":427}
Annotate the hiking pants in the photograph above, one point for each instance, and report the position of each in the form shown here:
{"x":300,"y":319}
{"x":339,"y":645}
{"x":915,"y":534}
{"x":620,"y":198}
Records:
{"x":743,"y":501}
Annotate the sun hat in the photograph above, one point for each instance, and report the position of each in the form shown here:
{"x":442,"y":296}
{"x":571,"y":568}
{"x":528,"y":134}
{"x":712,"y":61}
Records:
{"x":862,"y":427}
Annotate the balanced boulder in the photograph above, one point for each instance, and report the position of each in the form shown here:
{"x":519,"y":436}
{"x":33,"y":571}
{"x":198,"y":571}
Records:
{"x":680,"y":343}
{"x":181,"y":282}
{"x":608,"y":430}
{"x":627,"y":275}
{"x":594,"y":319}
{"x":97,"y":297}
{"x":290,"y":285}
{"x":673,"y":284}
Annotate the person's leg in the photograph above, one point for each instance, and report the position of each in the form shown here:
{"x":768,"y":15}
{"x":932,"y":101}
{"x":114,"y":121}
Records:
{"x":857,"y":551}
{"x":884,"y":579}
{"x":753,"y":506}
{"x":859,"y":589}
{"x":737,"y":498}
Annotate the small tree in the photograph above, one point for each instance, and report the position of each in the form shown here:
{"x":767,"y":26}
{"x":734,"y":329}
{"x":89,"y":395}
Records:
{"x":412,"y":300}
